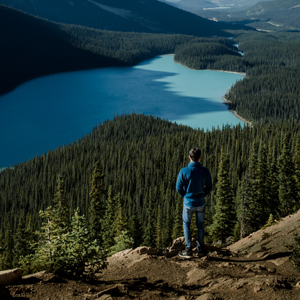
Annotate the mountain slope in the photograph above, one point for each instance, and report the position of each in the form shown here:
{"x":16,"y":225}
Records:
{"x":196,"y":6}
{"x":144,"y":274}
{"x":118,"y":15}
{"x":271,"y":15}
{"x":33,"y":47}
{"x":277,"y":13}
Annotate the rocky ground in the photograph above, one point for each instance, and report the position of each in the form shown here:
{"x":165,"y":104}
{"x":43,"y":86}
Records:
{"x":257,"y":267}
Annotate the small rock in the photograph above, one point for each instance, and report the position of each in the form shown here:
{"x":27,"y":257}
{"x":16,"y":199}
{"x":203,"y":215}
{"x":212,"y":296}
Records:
{"x":271,"y":270}
{"x":123,"y":253}
{"x":207,"y":296}
{"x":123,"y":288}
{"x":179,"y":244}
{"x":146,"y":250}
{"x":239,"y":285}
{"x":204,"y":258}
{"x":171,"y":253}
{"x":297,"y":284}
{"x":8,"y":277}
{"x":260,"y":267}
{"x":163,"y":285}
{"x":226,"y":265}
{"x":257,"y":288}
{"x":247,"y":270}
{"x":91,"y":290}
{"x":110,"y":291}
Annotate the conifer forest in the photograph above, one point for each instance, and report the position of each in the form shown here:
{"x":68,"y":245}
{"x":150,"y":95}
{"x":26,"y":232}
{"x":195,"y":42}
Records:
{"x":115,"y":187}
{"x":137,"y":159}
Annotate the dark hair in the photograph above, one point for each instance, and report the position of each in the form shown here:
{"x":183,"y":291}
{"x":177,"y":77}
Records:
{"x":195,"y":154}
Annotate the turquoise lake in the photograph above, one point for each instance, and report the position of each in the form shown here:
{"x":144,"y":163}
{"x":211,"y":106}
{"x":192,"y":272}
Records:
{"x":56,"y":110}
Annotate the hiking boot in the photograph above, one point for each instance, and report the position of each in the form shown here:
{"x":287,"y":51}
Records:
{"x":202,"y":253}
{"x":185,"y":254}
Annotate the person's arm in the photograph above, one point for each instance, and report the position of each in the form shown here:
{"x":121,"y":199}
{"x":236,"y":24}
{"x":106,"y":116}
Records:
{"x":180,"y":185}
{"x":208,"y":185}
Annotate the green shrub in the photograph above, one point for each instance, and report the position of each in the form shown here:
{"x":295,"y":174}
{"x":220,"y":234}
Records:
{"x":270,"y":222}
{"x":295,"y":257}
{"x":72,"y":254}
{"x":122,"y":242}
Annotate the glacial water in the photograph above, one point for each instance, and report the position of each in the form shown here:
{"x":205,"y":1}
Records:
{"x":56,"y":110}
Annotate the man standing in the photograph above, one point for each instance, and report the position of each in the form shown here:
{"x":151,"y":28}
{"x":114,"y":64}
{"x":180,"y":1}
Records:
{"x":193,"y":184}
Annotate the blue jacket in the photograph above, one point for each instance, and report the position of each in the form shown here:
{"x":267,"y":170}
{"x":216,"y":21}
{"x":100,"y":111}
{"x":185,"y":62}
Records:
{"x":193,"y":184}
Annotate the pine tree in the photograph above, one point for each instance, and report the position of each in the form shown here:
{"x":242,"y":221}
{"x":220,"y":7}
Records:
{"x":159,"y":229}
{"x":287,"y":188}
{"x":297,"y":172}
{"x":60,"y":211}
{"x":149,"y":234}
{"x":8,"y":245}
{"x":167,"y":230}
{"x":30,"y":233}
{"x":97,"y":207}
{"x":21,"y":243}
{"x":273,"y":180}
{"x":135,"y":229}
{"x":120,"y":223}
{"x":252,"y":222}
{"x":1,"y":250}
{"x":80,"y":254}
{"x":262,"y":194}
{"x":56,"y":225}
{"x":224,"y":219}
{"x":270,"y":222}
{"x":178,"y":226}
{"x":241,"y":200}
{"x":108,"y":233}
{"x":64,"y":248}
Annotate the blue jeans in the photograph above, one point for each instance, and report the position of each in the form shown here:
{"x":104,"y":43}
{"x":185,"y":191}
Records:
{"x":187,"y":214}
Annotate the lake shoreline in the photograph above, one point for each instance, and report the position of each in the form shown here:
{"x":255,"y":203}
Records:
{"x":225,"y":100}
{"x":233,"y":72}
{"x":238,"y":116}
{"x":165,"y":89}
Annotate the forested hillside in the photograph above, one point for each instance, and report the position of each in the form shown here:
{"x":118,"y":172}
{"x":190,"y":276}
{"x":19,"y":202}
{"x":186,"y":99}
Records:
{"x":141,"y":156}
{"x":150,"y":16}
{"x":270,"y":92}
{"x":38,"y":48}
{"x":32,"y":47}
{"x":271,"y":61}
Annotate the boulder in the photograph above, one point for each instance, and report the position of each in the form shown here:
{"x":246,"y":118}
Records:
{"x":179,"y":244}
{"x":146,"y":250}
{"x":10,"y":276}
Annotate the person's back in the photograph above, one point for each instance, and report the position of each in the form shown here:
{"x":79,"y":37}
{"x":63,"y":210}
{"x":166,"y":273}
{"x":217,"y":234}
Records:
{"x":193,"y":184}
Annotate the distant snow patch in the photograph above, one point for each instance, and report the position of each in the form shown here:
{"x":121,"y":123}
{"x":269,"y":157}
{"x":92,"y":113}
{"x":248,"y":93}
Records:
{"x":117,"y":11}
{"x":295,"y":6}
{"x":216,"y":8}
